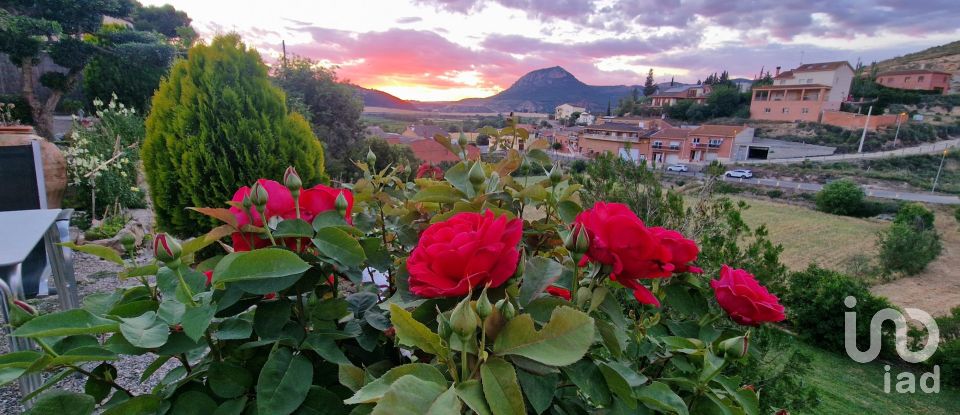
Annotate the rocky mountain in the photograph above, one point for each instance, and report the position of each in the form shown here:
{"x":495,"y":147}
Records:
{"x":941,"y":58}
{"x":377,"y":98}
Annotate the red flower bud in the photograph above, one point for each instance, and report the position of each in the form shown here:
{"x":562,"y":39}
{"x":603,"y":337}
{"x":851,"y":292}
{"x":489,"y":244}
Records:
{"x":291,"y":179}
{"x":390,"y":332}
{"x":209,"y":275}
{"x":26,"y":307}
{"x":259,"y":195}
{"x":165,"y":248}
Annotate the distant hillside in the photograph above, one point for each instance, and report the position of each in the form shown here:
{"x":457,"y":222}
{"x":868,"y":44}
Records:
{"x":377,"y":98}
{"x":942,"y":58}
{"x":540,"y":91}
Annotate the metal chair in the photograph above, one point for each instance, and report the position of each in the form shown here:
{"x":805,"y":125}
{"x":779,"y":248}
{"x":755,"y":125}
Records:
{"x":21,"y":172}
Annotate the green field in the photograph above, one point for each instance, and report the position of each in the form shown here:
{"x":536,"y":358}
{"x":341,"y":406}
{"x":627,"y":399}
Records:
{"x":809,"y":236}
{"x":850,"y":388}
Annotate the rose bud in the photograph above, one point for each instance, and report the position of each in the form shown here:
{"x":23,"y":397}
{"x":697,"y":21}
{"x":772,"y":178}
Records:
{"x":443,"y":326}
{"x":292,"y":180}
{"x":166,"y":249}
{"x":25,"y":307}
{"x":749,"y":388}
{"x":259,"y":195}
{"x":476,"y":174}
{"x":484,"y":308}
{"x":735,"y":347}
{"x":555,"y":174}
{"x":371,"y":158}
{"x":246,"y":202}
{"x":464,"y":320}
{"x":341,"y":204}
{"x":583,"y":295}
{"x":462,"y":141}
{"x":506,"y":309}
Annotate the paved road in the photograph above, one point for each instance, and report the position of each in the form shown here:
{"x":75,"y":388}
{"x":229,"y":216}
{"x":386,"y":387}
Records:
{"x":921,"y":149}
{"x":936,"y":198}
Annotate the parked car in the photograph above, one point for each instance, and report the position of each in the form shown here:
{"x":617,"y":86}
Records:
{"x":740,"y":174}
{"x":678,"y":167}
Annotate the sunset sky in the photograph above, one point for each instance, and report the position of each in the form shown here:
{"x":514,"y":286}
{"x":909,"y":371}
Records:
{"x":434,"y":50}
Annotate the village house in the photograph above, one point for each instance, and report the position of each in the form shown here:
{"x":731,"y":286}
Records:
{"x":564,"y":111}
{"x":804,"y":93}
{"x":586,"y":118}
{"x":916,"y":80}
{"x":661,"y":143}
{"x":671,"y":96}
{"x":419,"y":138}
{"x":424,"y":131}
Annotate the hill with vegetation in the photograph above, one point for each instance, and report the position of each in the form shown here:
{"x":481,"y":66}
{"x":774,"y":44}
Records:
{"x":942,"y":58}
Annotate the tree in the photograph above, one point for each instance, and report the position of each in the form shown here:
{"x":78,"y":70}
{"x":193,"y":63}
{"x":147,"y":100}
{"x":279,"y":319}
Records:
{"x":216,"y":123}
{"x":608,"y":107}
{"x":649,"y":88}
{"x":132,"y":68}
{"x":724,"y":101}
{"x":332,"y":107}
{"x":55,"y":28}
{"x":572,"y":120}
{"x":841,"y":197}
{"x":165,"y":20}
{"x":679,"y":110}
{"x":906,"y":249}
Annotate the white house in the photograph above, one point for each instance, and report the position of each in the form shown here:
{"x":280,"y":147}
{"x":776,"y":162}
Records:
{"x":586,"y":118}
{"x":565,"y":110}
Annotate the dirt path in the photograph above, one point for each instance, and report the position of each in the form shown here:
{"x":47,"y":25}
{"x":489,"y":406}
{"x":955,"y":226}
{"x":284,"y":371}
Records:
{"x":937,"y":289}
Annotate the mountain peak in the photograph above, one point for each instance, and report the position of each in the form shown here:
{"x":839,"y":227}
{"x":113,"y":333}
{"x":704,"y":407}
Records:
{"x":553,"y":77}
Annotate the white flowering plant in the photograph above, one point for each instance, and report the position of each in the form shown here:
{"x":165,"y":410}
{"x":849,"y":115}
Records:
{"x":7,"y":117}
{"x":102,"y":159}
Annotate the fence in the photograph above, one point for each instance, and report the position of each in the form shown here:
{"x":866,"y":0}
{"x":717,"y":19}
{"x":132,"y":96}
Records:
{"x":921,"y":149}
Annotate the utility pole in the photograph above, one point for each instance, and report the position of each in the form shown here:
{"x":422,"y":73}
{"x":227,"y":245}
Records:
{"x":897,"y":134}
{"x":936,"y":180}
{"x":865,"y":125}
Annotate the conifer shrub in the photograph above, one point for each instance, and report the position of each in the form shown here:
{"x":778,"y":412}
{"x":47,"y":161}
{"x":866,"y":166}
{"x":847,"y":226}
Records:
{"x":217,"y":121}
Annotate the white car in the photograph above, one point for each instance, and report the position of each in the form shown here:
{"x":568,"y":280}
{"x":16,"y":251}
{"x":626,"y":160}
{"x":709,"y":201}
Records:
{"x":677,"y":167}
{"x":741,"y":174}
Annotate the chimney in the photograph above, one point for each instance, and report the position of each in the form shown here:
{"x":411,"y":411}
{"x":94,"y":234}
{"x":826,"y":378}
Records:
{"x":777,"y":73}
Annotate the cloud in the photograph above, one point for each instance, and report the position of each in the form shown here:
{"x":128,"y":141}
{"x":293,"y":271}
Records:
{"x":409,"y":19}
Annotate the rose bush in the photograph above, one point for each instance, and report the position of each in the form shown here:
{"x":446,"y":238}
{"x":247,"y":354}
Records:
{"x":477,"y":293}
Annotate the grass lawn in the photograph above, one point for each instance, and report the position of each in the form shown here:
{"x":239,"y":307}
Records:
{"x":835,"y":242}
{"x":847,"y":387}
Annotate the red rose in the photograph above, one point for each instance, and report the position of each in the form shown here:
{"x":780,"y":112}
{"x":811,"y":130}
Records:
{"x":209,"y":275}
{"x":466,"y":251}
{"x":744,"y":299}
{"x":618,"y":238}
{"x":313,"y":201}
{"x":429,"y":171}
{"x":559,"y":292}
{"x":682,"y":250}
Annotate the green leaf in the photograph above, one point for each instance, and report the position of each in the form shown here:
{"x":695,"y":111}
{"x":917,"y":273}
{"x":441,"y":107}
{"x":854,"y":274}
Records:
{"x":97,"y":388}
{"x":375,"y":390}
{"x":328,"y":218}
{"x":621,"y":379}
{"x":351,"y":376}
{"x":99,"y":251}
{"x":202,"y":241}
{"x":438,"y":194}
{"x":500,"y":387}
{"x":171,"y":312}
{"x":145,"y":331}
{"x":141,"y":271}
{"x":83,"y":354}
{"x":413,"y":333}
{"x":284,"y":382}
{"x":539,"y":389}
{"x":589,"y":379}
{"x":233,"y":329}
{"x":262,"y":264}
{"x":411,"y":395}
{"x":321,"y":402}
{"x":562,"y":341}
{"x":614,"y":340}
{"x":659,"y":397}
{"x":327,"y":348}
{"x":61,"y":402}
{"x":196,"y":320}
{"x":339,"y":246}
{"x":143,"y":404}
{"x":748,"y":400}
{"x":228,"y":380}
{"x":269,"y":318}
{"x":471,"y":393}
{"x":14,"y":364}
{"x":66,"y":323}
{"x":539,"y":273}
{"x":194,"y":403}
{"x":293,"y":228}
{"x":232,"y":407}
{"x":568,"y":210}
{"x":712,"y":365}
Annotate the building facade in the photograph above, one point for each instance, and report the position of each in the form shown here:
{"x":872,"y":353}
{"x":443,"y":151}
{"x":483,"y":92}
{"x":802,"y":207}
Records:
{"x":916,"y":80}
{"x":667,"y":145}
{"x":564,"y":111}
{"x":671,"y":96}
{"x":802,"y":94}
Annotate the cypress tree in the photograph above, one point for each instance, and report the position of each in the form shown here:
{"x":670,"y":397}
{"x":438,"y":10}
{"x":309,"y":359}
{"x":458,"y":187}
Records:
{"x":217,"y":123}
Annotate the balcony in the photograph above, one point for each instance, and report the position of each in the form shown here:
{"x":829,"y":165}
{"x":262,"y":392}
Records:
{"x":674,"y":148}
{"x":605,"y":137}
{"x":713,"y":146}
{"x":657,"y":146}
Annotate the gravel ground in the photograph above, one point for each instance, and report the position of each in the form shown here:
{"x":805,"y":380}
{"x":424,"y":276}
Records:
{"x":93,"y":276}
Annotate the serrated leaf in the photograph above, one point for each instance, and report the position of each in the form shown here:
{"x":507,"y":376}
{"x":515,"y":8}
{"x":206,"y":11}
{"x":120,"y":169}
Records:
{"x":145,"y":331}
{"x":99,"y":251}
{"x":621,"y":380}
{"x":62,"y":402}
{"x":413,"y":333}
{"x":262,"y":264}
{"x":339,"y":246}
{"x":283,"y":383}
{"x":375,"y":390}
{"x":659,"y":397}
{"x":438,"y":194}
{"x":562,"y":341}
{"x":411,"y":395}
{"x":66,"y":323}
{"x":539,"y":273}
{"x":500,"y":387}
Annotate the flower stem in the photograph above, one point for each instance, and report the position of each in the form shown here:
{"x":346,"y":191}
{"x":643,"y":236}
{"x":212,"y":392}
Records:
{"x":267,"y":226}
{"x":463,"y":360}
{"x":186,"y":288}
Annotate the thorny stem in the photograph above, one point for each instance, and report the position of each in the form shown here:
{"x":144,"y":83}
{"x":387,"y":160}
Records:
{"x":182,"y":357}
{"x":386,"y":246}
{"x":296,"y":205}
{"x":463,"y":360}
{"x":46,"y":348}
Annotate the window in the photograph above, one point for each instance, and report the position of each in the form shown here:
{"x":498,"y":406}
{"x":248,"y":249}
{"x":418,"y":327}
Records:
{"x":766,"y":109}
{"x":907,"y":79}
{"x":805,"y":110}
{"x":786,"y":110}
{"x":696,"y":141}
{"x":809,"y":80}
{"x":715,"y":142}
{"x":658,"y":144}
{"x":674,"y":145}
{"x":920,"y":78}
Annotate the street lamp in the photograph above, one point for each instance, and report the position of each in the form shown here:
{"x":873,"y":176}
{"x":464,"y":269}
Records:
{"x":934,"y":189}
{"x":897,"y":134}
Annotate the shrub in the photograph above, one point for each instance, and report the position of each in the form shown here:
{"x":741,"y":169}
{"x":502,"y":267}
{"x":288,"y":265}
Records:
{"x":216,"y":122}
{"x":904,"y":248}
{"x":775,"y":193}
{"x":956,"y":213}
{"x":947,"y":355}
{"x":779,"y":373}
{"x":841,"y":197}
{"x":815,"y":302}
{"x":102,"y":160}
{"x":107,"y":229}
{"x":915,"y":215}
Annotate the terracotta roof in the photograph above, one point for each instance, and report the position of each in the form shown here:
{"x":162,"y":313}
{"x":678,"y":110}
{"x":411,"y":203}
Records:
{"x":672,"y":133}
{"x":798,"y":86}
{"x":822,"y":66}
{"x":619,"y":127}
{"x":430,"y":151}
{"x":913,"y":72}
{"x":784,"y":75}
{"x":718,"y":130}
{"x":427,"y":131}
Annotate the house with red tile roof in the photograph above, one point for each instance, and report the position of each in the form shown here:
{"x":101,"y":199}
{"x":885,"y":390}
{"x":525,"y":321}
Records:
{"x":803,"y":93}
{"x":424,"y":131}
{"x":916,"y":80}
{"x":671,"y":96}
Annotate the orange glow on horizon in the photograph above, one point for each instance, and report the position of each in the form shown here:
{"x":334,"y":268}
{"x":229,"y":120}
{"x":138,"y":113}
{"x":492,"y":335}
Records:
{"x":426,"y":92}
